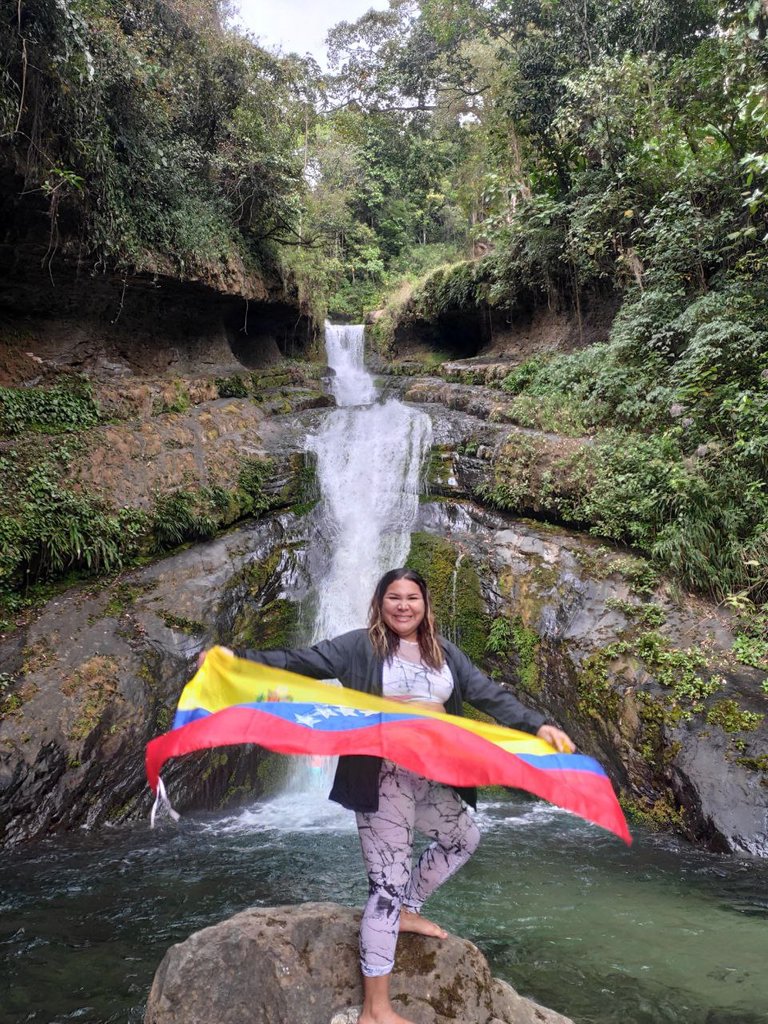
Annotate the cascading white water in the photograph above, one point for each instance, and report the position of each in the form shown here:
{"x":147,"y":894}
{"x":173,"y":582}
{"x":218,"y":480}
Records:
{"x":369,"y":460}
{"x":345,"y":348}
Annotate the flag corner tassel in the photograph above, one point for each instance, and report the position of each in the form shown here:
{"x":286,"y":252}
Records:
{"x":162,"y":803}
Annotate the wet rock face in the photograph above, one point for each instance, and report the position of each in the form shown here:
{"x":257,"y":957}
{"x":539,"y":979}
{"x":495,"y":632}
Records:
{"x":642,"y":679}
{"x":100,"y":671}
{"x":299,"y":965}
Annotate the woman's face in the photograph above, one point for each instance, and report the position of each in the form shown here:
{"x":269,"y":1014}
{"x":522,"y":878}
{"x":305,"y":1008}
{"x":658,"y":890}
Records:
{"x":403,"y":608}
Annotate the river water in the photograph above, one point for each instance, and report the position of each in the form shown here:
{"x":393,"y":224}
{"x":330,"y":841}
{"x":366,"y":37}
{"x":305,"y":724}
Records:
{"x":607,"y":935}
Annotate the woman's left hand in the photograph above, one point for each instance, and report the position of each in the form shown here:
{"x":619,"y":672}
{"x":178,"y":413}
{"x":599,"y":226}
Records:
{"x":204,"y":654}
{"x":557,"y":738}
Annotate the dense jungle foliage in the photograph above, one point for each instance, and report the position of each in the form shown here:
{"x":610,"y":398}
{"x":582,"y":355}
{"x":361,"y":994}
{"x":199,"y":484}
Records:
{"x":158,"y":138}
{"x":597,"y":149}
{"x":536,"y":151}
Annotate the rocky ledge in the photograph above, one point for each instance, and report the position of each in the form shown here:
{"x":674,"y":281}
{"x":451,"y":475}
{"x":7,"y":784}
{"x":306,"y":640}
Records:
{"x":299,"y":965}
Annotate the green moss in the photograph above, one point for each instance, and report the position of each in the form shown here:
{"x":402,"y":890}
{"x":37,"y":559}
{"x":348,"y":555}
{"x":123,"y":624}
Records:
{"x":754,"y":764}
{"x":596,"y":694}
{"x":237,"y":792}
{"x":439,"y":468}
{"x":647,"y":614}
{"x":10,"y":704}
{"x":180,"y":401}
{"x":731,"y":718}
{"x":655,"y":715}
{"x":163,"y":719}
{"x":232,"y":387}
{"x":122,"y":597}
{"x":273,"y":625}
{"x":272,"y":772}
{"x":215,"y":760}
{"x":284,"y":374}
{"x":303,"y":490}
{"x":660,"y":815}
{"x":121,"y":812}
{"x":266,"y":621}
{"x":512,"y":637}
{"x":476,"y":715}
{"x":180,"y":623}
{"x":454,"y":587}
{"x":146,"y":674}
{"x":95,"y":685}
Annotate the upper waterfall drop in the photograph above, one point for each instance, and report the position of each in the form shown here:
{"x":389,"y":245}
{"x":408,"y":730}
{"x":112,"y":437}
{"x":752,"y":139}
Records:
{"x":345,"y":348}
{"x":369,"y":460}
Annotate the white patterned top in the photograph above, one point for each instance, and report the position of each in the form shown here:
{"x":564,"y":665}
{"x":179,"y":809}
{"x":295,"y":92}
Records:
{"x":406,"y":680}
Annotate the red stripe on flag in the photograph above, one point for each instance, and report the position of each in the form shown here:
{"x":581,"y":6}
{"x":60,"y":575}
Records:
{"x":433,"y":748}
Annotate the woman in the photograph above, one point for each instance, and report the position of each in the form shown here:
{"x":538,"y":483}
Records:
{"x":400,"y":656}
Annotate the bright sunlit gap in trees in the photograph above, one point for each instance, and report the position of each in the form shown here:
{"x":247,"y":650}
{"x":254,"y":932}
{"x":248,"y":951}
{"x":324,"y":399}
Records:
{"x":300,"y":26}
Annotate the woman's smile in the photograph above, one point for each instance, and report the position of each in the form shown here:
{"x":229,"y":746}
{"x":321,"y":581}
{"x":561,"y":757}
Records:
{"x":403,"y":608}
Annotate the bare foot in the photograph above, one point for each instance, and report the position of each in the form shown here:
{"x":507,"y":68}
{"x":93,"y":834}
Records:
{"x":412,"y":922}
{"x":385,"y":1017}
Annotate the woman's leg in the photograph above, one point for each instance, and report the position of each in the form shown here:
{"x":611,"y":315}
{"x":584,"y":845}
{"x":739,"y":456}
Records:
{"x":386,"y":839}
{"x":377,"y":1009}
{"x":441,"y":814}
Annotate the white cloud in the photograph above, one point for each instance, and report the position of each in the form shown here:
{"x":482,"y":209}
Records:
{"x":300,"y":25}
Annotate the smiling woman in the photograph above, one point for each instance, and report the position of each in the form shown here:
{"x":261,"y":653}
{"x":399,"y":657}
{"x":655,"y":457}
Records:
{"x":401,"y":656}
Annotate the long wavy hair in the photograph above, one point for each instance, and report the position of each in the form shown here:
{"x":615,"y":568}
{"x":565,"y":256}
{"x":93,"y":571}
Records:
{"x":384,"y":640}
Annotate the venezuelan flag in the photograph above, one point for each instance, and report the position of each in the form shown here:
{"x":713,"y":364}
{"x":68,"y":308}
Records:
{"x":231,"y":700}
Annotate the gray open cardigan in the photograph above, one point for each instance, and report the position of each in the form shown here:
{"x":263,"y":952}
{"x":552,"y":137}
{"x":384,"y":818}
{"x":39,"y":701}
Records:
{"x":351,"y":659}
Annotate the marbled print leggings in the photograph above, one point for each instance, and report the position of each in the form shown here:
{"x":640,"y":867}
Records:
{"x":407,"y":802}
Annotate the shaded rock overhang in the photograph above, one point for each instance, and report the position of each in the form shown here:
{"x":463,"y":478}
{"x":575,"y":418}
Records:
{"x":53,"y":291}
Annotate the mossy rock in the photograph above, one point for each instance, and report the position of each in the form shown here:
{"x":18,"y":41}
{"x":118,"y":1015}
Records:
{"x":266,"y":620}
{"x":512,"y":638}
{"x":273,"y":625}
{"x":454,"y":586}
{"x":272,"y":773}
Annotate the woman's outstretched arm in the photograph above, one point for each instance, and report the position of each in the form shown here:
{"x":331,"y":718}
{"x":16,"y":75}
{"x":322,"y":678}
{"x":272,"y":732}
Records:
{"x":486,"y":695}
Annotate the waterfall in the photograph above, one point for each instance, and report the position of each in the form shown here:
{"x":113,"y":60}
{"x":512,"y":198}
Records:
{"x":345,"y":347}
{"x":369,"y":459}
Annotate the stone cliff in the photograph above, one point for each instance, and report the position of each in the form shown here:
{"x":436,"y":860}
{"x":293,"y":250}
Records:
{"x":108,"y":469}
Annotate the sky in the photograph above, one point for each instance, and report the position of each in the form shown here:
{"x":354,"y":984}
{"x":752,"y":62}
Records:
{"x":300,"y":25}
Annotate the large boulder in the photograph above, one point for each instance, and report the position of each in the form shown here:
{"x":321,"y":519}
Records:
{"x":299,"y":965}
